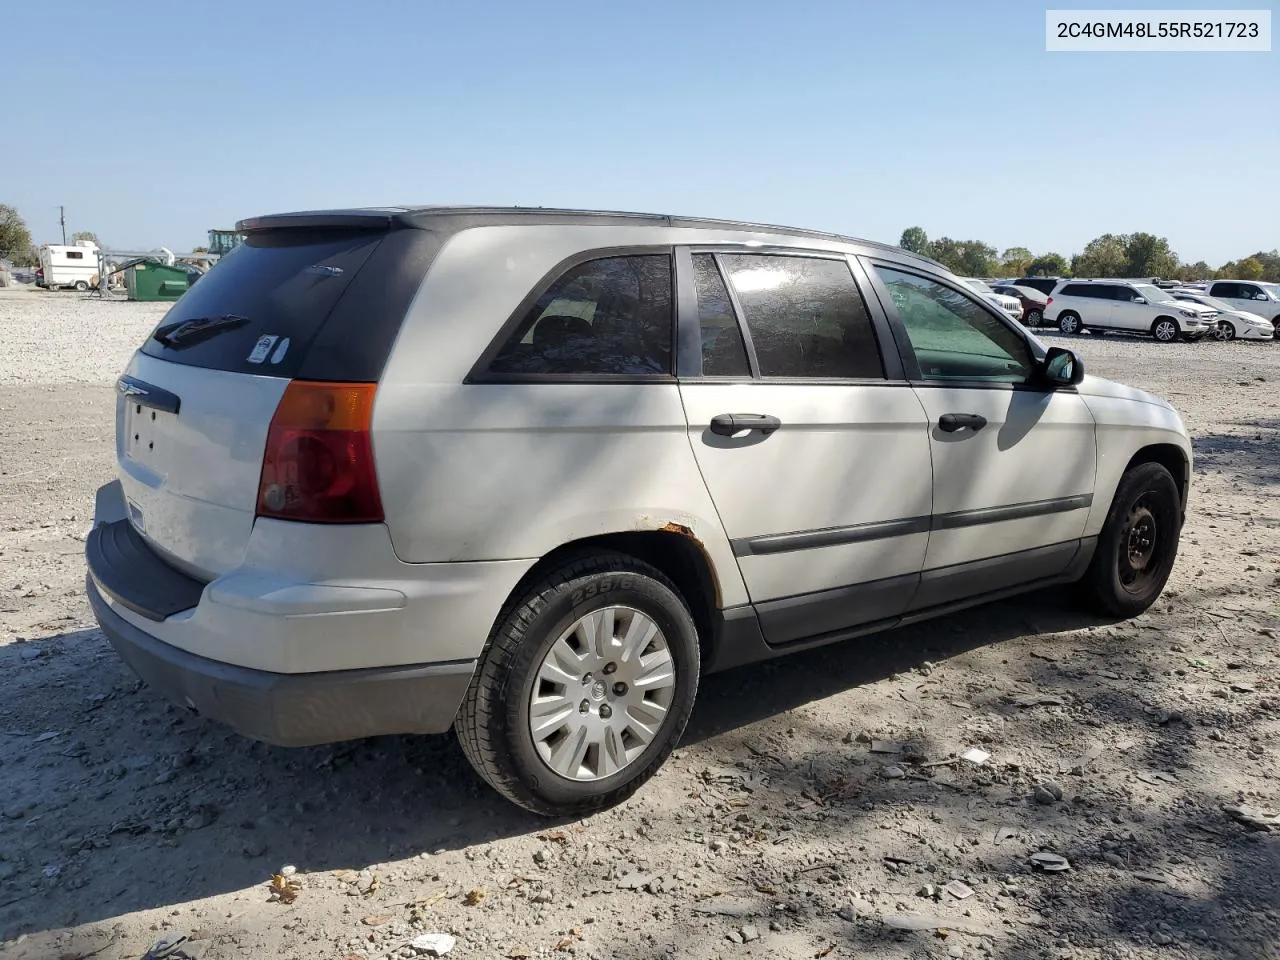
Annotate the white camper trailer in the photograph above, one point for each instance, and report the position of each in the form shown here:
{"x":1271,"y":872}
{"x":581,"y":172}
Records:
{"x":75,"y":265}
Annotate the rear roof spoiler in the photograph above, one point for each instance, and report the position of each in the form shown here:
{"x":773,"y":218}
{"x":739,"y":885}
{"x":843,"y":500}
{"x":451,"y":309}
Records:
{"x":388,"y":218}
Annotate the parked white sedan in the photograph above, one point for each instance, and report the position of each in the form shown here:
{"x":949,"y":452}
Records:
{"x":1233,"y":323}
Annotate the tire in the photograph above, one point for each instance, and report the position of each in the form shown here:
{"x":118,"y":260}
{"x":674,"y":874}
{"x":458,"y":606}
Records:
{"x":1144,"y":523}
{"x":494,"y":726}
{"x":81,"y":286}
{"x":1034,"y":318}
{"x":1069,"y":322}
{"x":1165,"y":329}
{"x":1226,"y":332}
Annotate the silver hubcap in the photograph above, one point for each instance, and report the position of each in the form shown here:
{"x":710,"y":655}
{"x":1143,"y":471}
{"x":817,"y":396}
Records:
{"x":1068,"y":324}
{"x":1226,"y":332}
{"x":601,"y":694}
{"x":1165,"y":330}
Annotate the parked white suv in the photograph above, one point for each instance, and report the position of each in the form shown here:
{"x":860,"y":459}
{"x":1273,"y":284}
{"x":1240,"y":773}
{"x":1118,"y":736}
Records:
{"x":1010,"y":305}
{"x":1250,"y":296}
{"x":1101,"y":305}
{"x":529,"y":474}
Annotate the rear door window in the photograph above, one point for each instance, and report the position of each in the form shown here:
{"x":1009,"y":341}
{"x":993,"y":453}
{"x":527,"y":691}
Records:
{"x":723,"y":352}
{"x":805,"y":315}
{"x":1230,"y":291}
{"x":607,"y":317}
{"x":1076,"y":290}
{"x":258,"y":310}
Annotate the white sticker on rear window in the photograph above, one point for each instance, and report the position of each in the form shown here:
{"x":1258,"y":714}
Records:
{"x":262,"y":348}
{"x":281,"y":350}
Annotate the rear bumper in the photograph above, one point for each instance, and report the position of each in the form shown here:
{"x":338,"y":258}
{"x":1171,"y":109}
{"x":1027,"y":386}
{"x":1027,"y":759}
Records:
{"x":292,"y":709}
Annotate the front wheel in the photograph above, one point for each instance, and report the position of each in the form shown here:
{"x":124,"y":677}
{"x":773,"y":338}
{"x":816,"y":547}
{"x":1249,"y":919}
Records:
{"x":584,"y":687}
{"x":81,"y":286}
{"x":1165,"y":329}
{"x":1138,"y":544}
{"x":1225,"y":331}
{"x":1069,"y":321}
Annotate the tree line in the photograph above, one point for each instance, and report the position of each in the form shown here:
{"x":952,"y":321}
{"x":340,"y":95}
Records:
{"x":1110,"y":255}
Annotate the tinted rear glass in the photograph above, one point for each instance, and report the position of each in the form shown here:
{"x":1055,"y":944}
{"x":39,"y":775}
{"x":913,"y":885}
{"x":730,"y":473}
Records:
{"x":259,"y":309}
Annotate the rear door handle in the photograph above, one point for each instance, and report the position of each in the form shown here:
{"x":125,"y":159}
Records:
{"x":951,"y":422}
{"x":727,"y":424}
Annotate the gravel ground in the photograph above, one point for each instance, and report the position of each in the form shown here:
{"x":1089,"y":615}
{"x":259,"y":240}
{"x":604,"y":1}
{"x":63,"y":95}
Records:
{"x":803,"y":816}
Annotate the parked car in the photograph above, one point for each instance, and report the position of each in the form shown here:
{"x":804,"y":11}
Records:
{"x":528,"y":474}
{"x":1031,"y":300}
{"x":1250,"y":296}
{"x":1009,"y":305}
{"x":1232,"y":323}
{"x":1102,"y":305}
{"x":1045,"y":285}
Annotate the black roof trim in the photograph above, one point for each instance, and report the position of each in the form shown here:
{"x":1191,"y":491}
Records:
{"x":360,"y":219}
{"x":428,"y":217}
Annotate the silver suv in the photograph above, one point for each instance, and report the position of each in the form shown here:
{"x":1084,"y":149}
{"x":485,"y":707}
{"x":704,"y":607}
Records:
{"x":1128,"y":307}
{"x":529,"y":474}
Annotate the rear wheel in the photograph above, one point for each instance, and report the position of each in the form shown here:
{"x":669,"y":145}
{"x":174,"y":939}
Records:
{"x":1165,"y":329}
{"x":1034,"y":318}
{"x":81,"y":286}
{"x":1138,"y":544}
{"x":584,"y":688}
{"x":1069,"y":321}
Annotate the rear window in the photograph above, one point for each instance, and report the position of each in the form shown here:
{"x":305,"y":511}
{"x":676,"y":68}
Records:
{"x":261,"y":307}
{"x":1077,"y":290}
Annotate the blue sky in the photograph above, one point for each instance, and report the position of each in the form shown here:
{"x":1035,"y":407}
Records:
{"x":857,"y":117}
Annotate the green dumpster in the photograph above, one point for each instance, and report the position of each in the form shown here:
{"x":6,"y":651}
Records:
{"x":155,"y":281}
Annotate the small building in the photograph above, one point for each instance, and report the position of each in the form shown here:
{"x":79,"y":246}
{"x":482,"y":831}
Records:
{"x":148,"y":280}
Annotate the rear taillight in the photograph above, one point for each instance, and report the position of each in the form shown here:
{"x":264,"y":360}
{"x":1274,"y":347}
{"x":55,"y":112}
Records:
{"x":318,"y":465}
{"x":1049,"y":301}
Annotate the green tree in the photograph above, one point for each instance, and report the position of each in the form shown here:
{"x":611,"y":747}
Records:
{"x":1249,"y":269}
{"x":915,"y":240}
{"x":15,"y":238}
{"x":1194,"y":271}
{"x":1047,"y":265}
{"x":1015,"y":260}
{"x":969,"y":258}
{"x":1227,"y":271}
{"x":85,"y":235}
{"x":1104,"y":256}
{"x":1149,"y":256}
{"x":1270,"y":264}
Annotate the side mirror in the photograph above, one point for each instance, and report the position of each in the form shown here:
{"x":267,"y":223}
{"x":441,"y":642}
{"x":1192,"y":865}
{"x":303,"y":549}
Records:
{"x":1260,"y":296}
{"x":1139,"y":299}
{"x":1061,"y":367}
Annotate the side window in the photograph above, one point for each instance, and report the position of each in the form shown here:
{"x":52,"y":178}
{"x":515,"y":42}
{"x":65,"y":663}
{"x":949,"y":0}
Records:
{"x":1076,"y":290}
{"x":607,"y":316}
{"x":723,"y":352}
{"x":952,"y":337}
{"x":74,"y":255}
{"x":1121,"y":293}
{"x":805,"y":316}
{"x":1250,"y":292}
{"x":1229,"y":290}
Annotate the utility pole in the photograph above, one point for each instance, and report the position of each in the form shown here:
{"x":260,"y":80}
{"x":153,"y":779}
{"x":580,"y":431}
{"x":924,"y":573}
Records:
{"x":62,"y":217}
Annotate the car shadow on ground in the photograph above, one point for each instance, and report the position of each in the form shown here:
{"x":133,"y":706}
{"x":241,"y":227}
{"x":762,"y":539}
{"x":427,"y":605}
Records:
{"x":155,"y":806}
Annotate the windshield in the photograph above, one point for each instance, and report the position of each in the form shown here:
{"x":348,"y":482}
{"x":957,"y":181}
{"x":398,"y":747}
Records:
{"x":1152,"y":294}
{"x":1206,"y":301}
{"x":1271,"y":288}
